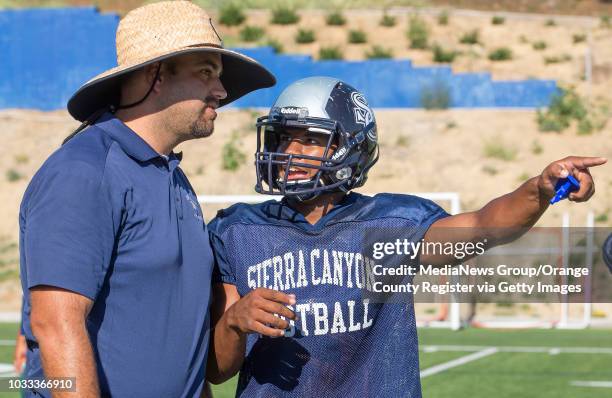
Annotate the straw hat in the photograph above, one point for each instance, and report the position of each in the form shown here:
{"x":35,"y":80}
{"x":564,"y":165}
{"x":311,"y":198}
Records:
{"x":159,"y":31}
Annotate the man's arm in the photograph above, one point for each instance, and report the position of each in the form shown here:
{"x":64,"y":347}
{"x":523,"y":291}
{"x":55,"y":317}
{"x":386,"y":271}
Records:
{"x":233,"y":318}
{"x":506,"y":218}
{"x":58,"y":321}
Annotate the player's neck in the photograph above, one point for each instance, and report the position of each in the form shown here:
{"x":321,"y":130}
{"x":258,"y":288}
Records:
{"x":314,"y":210}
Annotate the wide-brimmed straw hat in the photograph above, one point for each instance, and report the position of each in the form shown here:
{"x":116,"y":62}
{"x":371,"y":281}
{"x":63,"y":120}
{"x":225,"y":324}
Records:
{"x":156,"y":32}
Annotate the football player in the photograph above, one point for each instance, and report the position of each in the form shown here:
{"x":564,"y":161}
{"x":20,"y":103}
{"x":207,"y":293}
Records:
{"x":290,"y":308}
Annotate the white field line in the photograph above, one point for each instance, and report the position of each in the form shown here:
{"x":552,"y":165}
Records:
{"x":602,"y":384}
{"x":549,"y":350}
{"x":7,"y":342}
{"x":457,"y":362}
{"x":13,"y":316}
{"x":7,"y":370}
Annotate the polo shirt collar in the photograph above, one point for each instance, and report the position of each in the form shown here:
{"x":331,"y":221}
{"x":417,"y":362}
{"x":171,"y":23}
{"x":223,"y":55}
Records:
{"x":130,"y":142}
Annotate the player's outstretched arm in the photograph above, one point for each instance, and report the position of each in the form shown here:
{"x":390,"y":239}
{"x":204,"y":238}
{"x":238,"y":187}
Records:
{"x":234,"y":318}
{"x":507,"y":217}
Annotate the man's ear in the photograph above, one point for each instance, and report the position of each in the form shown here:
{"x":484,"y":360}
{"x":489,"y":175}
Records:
{"x":153,"y":72}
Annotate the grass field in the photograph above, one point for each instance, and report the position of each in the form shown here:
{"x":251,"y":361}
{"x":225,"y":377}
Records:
{"x":487,"y":363}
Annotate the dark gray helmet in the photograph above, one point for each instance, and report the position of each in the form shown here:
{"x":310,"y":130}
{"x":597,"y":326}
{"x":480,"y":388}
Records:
{"x":324,"y":105}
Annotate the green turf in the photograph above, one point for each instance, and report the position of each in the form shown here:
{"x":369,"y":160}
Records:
{"x":9,"y":395}
{"x":226,"y":390}
{"x":499,"y":375}
{"x":429,"y":359}
{"x":527,"y":337}
{"x":8,"y":331}
{"x":520,"y":375}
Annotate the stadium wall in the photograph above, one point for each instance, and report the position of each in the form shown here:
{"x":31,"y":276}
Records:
{"x":46,"y":54}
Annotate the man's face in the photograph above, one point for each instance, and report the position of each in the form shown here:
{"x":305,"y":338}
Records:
{"x":190,"y":93}
{"x":303,"y":142}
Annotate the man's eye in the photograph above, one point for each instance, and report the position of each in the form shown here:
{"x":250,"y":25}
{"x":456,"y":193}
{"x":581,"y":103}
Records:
{"x":313,"y":141}
{"x":284,"y":138}
{"x":206,"y":72}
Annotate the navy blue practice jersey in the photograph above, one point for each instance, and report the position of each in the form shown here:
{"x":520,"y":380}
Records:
{"x":343,"y":344}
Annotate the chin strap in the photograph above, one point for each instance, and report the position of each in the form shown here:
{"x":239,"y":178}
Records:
{"x":133,"y":104}
{"x":88,"y":122}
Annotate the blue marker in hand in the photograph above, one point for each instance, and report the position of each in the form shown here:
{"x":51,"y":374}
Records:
{"x":564,"y":187}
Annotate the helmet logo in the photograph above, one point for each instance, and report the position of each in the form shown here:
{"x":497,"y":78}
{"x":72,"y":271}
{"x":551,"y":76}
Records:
{"x":294,"y":111}
{"x":339,"y":153}
{"x":363,"y":113}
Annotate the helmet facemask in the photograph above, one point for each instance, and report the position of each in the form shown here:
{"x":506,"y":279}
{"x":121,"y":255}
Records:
{"x":330,"y":171}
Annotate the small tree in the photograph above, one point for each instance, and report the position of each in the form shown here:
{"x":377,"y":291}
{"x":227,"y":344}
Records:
{"x":357,"y":37}
{"x":251,"y":33}
{"x":471,"y":37}
{"x":436,"y":96}
{"x":443,"y":56}
{"x":498,"y":20}
{"x":276,"y":45}
{"x":284,"y":16}
{"x":387,"y":20}
{"x":418,"y":33}
{"x":443,"y":18}
{"x":330,"y":53}
{"x":231,"y":155}
{"x":539,"y":45}
{"x":304,"y":36}
{"x":378,"y":52}
{"x":501,"y":54}
{"x":231,"y":15}
{"x":335,"y":19}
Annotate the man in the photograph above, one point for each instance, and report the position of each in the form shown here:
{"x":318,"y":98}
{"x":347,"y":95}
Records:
{"x":293,"y":271}
{"x":115,"y":258}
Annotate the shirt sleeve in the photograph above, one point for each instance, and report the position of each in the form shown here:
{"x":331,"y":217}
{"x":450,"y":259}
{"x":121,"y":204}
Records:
{"x":223,"y":272}
{"x":421,"y":214}
{"x":430,"y":213}
{"x":69,"y":234}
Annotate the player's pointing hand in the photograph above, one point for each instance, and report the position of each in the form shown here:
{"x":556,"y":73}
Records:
{"x":576,"y":166}
{"x":259,"y":311}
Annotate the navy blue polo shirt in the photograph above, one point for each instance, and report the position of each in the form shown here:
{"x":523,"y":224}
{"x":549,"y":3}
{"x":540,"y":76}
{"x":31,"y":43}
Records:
{"x":109,"y":218}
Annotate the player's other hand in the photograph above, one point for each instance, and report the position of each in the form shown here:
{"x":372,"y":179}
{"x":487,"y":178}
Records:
{"x":576,"y":166}
{"x":258,"y":311}
{"x":21,"y":349}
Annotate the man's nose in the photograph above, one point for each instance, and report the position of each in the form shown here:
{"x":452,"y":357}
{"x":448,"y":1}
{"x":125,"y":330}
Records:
{"x":218,"y":91}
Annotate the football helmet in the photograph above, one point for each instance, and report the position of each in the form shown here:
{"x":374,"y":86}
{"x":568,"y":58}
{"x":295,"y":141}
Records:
{"x":322,"y":105}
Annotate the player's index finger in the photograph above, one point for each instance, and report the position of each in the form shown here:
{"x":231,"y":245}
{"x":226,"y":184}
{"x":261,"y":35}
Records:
{"x":589,"y":161}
